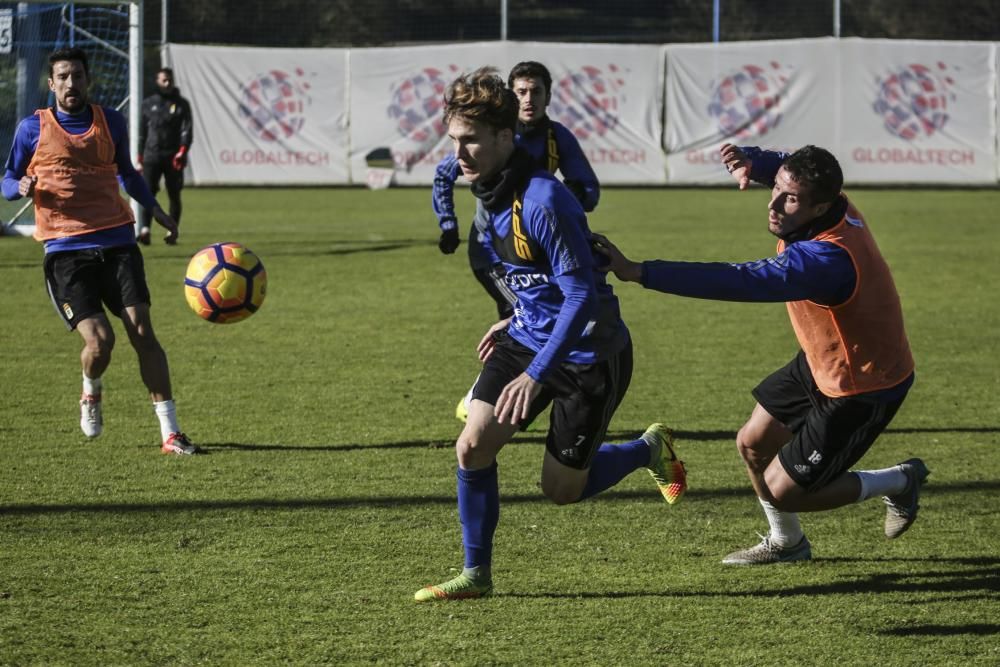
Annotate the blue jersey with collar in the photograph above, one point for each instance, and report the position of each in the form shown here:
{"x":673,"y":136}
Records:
{"x":543,"y":242}
{"x":23,"y":149}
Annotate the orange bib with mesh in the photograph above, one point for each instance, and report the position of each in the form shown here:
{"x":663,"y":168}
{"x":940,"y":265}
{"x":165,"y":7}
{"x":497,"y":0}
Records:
{"x":77,"y":189}
{"x":860,"y":345}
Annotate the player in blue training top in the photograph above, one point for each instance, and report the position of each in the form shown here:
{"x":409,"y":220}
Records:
{"x":67,"y":158}
{"x":551,"y":146}
{"x":816,"y":417}
{"x":565,"y":343}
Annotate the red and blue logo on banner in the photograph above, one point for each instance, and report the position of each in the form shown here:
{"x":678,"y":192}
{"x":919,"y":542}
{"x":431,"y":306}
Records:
{"x":746,"y":102}
{"x":272,"y":104}
{"x":586,"y":101}
{"x":913,"y":100}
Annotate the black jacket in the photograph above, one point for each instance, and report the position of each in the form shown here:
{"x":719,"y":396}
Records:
{"x":166,"y":124}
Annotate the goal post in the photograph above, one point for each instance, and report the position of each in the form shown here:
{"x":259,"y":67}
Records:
{"x":110,"y":32}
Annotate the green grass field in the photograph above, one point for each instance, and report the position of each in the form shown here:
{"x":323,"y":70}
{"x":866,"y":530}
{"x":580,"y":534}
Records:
{"x":328,"y":496}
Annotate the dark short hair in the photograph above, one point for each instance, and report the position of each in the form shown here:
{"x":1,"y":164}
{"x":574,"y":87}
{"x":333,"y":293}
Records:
{"x":165,"y":70}
{"x":66,"y":55}
{"x":481,"y":96}
{"x":533,"y":70}
{"x":818,"y":170}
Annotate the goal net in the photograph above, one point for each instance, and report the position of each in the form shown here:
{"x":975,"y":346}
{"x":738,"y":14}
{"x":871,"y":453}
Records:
{"x":110,"y":34}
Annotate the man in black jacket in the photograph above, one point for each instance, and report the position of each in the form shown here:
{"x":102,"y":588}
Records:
{"x":164,"y":141}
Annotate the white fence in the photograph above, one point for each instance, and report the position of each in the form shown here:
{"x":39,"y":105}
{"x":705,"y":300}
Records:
{"x":917,"y":112}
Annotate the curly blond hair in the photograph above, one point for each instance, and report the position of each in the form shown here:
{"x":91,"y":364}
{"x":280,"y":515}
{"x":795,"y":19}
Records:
{"x":481,"y":96}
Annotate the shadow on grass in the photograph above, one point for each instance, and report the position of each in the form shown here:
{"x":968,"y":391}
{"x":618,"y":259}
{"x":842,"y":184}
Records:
{"x":331,"y":248}
{"x":359,"y":247}
{"x":537,"y":437}
{"x":396,"y":502}
{"x":982,"y":629}
{"x":983,"y":581}
{"x":531,"y":438}
{"x":345,"y":503}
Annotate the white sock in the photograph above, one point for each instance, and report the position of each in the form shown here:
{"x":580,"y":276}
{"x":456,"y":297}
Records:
{"x":785,"y":528}
{"x":91,"y":386}
{"x":167,"y":413}
{"x":885,"y":482}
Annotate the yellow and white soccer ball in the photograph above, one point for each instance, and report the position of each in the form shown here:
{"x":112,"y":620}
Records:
{"x":225,"y":283}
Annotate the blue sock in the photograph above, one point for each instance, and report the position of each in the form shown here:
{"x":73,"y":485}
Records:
{"x":612,"y":463}
{"x":479,"y":512}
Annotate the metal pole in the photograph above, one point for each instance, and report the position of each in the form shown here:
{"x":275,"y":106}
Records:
{"x":164,"y":4}
{"x":836,"y":18}
{"x":135,"y":86}
{"x":716,"y":9}
{"x":503,"y":20}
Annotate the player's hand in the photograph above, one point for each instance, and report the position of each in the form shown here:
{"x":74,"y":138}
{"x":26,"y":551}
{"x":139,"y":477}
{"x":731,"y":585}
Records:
{"x":449,"y":240}
{"x":489,"y":341}
{"x":138,"y":163}
{"x":623,"y":268}
{"x":736,"y":163}
{"x":26,"y":186}
{"x":168,"y":223}
{"x":516,"y":398}
{"x":180,"y":159}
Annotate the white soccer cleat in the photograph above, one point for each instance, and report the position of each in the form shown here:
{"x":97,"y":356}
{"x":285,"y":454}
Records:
{"x":91,"y":421}
{"x":767,"y":552}
{"x":901,"y":509}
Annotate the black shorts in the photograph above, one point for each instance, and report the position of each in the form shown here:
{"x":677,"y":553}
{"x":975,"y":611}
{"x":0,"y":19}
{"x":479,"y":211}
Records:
{"x":831,"y":434}
{"x":584,"y":397}
{"x":80,"y":281}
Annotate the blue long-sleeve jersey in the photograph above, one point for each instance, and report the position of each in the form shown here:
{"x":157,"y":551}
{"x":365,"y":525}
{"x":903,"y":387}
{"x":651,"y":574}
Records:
{"x":807,"y":270}
{"x":571,"y":162}
{"x":23,"y":149}
{"x":565,"y":311}
{"x":443,"y":191}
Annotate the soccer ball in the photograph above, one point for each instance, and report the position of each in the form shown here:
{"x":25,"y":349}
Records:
{"x":225,"y":283}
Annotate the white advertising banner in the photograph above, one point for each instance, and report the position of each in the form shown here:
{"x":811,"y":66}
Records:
{"x":772,"y":94}
{"x":397,"y":96}
{"x":609,"y":96}
{"x":918,"y":112}
{"x":892,"y":111}
{"x":265,"y":116}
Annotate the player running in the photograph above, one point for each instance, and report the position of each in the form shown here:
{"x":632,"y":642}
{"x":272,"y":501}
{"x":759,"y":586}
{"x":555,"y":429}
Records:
{"x":551,"y":146}
{"x":565,"y":343}
{"x":817,"y":416}
{"x":67,"y":158}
